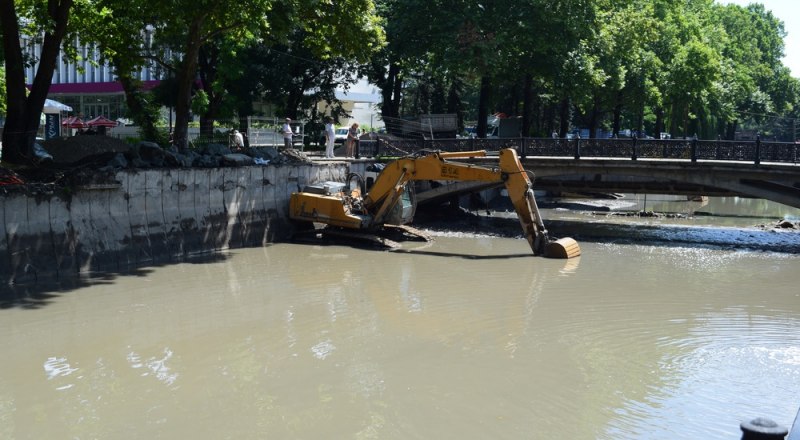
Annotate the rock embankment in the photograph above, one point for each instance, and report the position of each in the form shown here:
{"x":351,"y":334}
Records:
{"x":89,"y":159}
{"x":78,"y":150}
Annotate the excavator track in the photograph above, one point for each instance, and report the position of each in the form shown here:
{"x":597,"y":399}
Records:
{"x":346,"y":236}
{"x":389,"y":237}
{"x":409,"y":233}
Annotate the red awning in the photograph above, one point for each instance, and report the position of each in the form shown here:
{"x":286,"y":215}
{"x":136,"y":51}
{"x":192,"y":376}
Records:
{"x":101,"y":121}
{"x":73,"y":122}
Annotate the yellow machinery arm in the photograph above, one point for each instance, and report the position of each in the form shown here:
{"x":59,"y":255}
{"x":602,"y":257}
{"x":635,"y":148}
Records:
{"x":353,"y":211}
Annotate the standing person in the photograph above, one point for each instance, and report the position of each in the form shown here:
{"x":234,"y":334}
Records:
{"x":352,"y":138}
{"x":238,"y":141}
{"x":287,"y":134}
{"x":330,"y":136}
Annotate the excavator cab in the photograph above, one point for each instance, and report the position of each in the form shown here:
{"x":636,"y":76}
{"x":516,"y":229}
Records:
{"x":403,"y":212}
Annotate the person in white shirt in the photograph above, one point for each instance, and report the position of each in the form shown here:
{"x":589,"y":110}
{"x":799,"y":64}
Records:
{"x":287,"y":134}
{"x":330,"y":136}
{"x":238,"y":140}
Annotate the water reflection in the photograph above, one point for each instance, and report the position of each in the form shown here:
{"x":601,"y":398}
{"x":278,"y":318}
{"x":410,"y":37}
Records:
{"x":154,"y":366}
{"x":467,"y":338}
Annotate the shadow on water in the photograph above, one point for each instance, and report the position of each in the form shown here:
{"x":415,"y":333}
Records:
{"x":464,"y":256}
{"x":39,"y":294}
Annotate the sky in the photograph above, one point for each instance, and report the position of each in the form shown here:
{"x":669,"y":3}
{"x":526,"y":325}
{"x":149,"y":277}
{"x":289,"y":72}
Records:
{"x":787,"y":11}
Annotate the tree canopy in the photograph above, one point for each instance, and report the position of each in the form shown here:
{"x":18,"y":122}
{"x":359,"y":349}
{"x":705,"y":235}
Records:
{"x":690,"y":67}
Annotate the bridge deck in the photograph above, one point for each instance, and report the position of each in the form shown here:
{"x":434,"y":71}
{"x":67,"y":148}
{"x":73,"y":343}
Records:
{"x":767,"y":170}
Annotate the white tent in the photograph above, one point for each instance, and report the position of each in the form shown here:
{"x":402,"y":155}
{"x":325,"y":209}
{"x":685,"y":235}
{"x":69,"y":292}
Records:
{"x":51,"y":106}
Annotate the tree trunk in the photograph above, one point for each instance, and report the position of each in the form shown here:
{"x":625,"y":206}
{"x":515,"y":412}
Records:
{"x":397,"y":91}
{"x":659,"y":127}
{"x":185,"y":78}
{"x":564,"y":119}
{"x":483,"y":106}
{"x":207,"y":124}
{"x":208,"y":60}
{"x":454,"y":104}
{"x":618,"y":114}
{"x":23,"y":112}
{"x":730,"y":132}
{"x":527,"y":103}
{"x":390,"y":93}
{"x":595,"y":116}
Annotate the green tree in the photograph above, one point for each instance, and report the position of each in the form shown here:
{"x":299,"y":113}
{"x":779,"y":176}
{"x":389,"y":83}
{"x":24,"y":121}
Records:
{"x":291,"y":76}
{"x":755,"y":83}
{"x":50,"y":23}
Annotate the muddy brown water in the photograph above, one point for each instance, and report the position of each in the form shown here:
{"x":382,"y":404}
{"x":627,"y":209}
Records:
{"x":466,"y":337}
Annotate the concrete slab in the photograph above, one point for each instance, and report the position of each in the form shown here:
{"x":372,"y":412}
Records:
{"x":215,"y":215}
{"x":137,"y":214}
{"x":189,"y":197}
{"x":18,"y":241}
{"x":64,"y":239}
{"x":106,"y":236}
{"x":171,"y":210}
{"x":153,"y":202}
{"x":206,"y":238}
{"x":120,"y":223}
{"x":80,"y":221}
{"x":252,"y":213}
{"x":236,"y":181}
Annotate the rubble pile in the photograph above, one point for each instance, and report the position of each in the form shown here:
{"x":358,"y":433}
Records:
{"x":95,"y":159}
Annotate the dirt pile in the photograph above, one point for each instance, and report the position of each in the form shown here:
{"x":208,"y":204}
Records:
{"x":74,"y":148}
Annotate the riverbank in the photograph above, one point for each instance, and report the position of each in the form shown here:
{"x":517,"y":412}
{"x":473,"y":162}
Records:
{"x":113,"y":220}
{"x":586,"y":225}
{"x":134,"y":218}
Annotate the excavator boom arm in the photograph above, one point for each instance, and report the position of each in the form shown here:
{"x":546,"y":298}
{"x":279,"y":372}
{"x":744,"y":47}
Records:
{"x":435,"y":166}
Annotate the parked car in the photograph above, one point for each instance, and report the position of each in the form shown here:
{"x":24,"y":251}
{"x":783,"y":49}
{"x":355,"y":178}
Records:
{"x":340,"y":135}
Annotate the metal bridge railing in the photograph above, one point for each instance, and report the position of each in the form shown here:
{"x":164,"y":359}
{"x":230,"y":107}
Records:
{"x":627,"y":148}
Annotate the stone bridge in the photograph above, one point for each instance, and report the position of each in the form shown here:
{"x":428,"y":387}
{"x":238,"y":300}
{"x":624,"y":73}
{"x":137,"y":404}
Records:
{"x":712,"y":168}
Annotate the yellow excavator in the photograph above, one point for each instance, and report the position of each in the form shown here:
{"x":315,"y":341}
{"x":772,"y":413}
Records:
{"x":389,"y":202}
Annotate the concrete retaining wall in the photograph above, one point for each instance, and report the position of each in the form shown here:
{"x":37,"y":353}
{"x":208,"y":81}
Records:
{"x":150,"y":217}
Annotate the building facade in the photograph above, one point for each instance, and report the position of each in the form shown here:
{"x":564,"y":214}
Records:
{"x":87,"y":85}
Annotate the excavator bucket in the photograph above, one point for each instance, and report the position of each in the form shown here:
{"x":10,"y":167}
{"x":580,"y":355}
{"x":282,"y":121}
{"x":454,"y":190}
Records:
{"x":562,"y":248}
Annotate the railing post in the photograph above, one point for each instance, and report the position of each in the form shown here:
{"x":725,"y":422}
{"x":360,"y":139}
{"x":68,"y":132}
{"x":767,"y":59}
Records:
{"x":522,"y":147}
{"x":633,"y":153}
{"x":716,"y":153}
{"x":577,"y":148}
{"x":694,"y":149}
{"x":757,"y":159}
{"x":358,"y":148}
